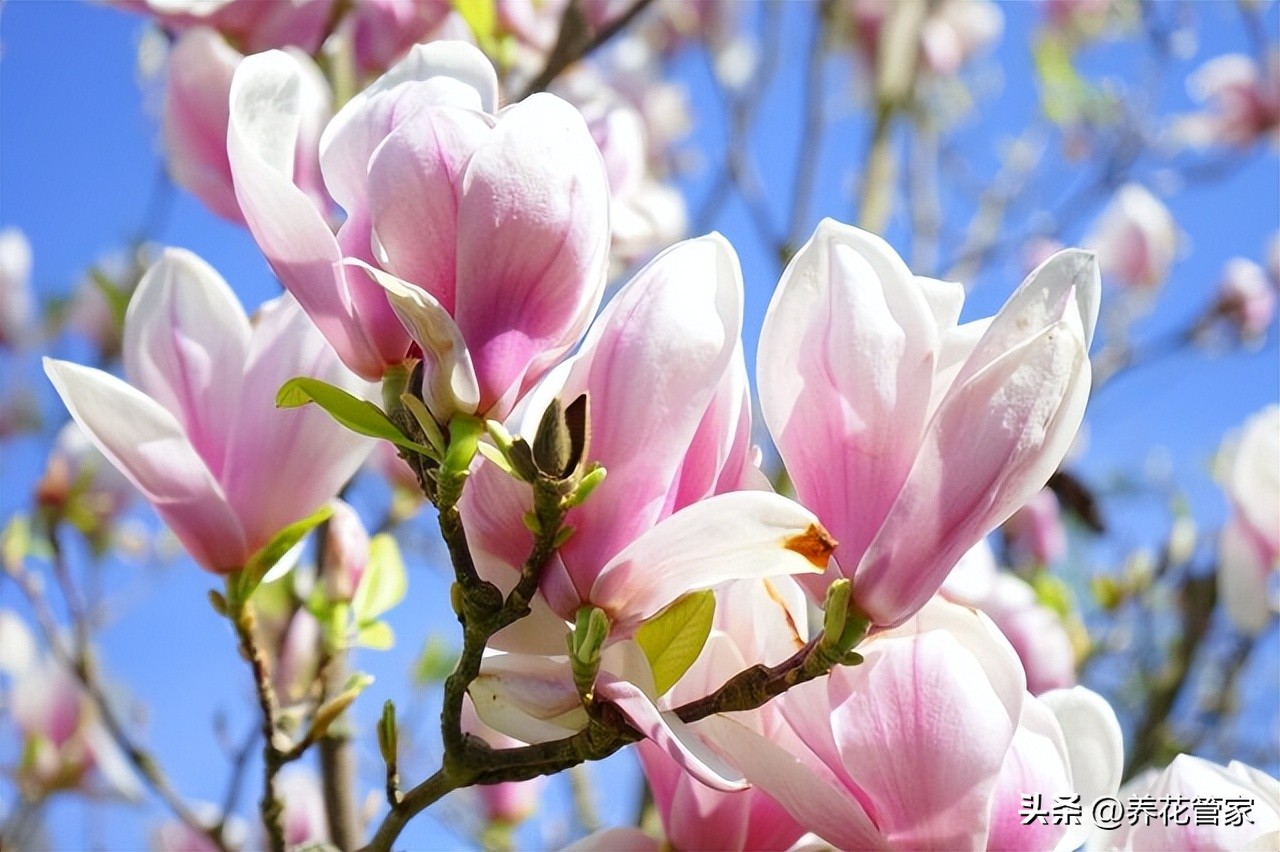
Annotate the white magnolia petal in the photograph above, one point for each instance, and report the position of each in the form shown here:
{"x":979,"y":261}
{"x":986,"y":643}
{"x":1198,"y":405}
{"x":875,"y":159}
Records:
{"x":668,"y":732}
{"x":733,"y":536}
{"x":449,"y":383}
{"x":804,"y":789}
{"x":528,"y":697}
{"x":461,"y":76}
{"x":266,"y":107}
{"x":1067,"y":285}
{"x":1095,"y":749}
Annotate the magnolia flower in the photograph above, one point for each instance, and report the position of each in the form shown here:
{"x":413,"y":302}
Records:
{"x":201,"y":66}
{"x":62,"y":735}
{"x":1242,"y":101}
{"x":930,"y":743}
{"x":176,"y":836}
{"x":952,"y":32}
{"x":1249,"y":545}
{"x":482,"y":238}
{"x":1194,"y":779}
{"x":1246,"y":298}
{"x":1136,"y":238}
{"x":81,"y":484}
{"x":912,"y":437}
{"x":15,"y":288}
{"x":1036,"y":632}
{"x":198,"y":432}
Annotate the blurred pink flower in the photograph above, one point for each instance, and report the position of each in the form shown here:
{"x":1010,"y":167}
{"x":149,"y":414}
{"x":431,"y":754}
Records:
{"x":1036,"y":632}
{"x":1246,"y":298}
{"x":1249,"y":545}
{"x":200,"y":69}
{"x":1035,"y":532}
{"x":199,"y":433}
{"x":1136,"y":239}
{"x":16,"y":304}
{"x":1242,"y":101}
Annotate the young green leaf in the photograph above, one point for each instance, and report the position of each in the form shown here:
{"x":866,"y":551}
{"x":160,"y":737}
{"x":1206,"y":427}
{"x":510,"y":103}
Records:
{"x":384,"y":582}
{"x":242,"y":583}
{"x":376,"y":635}
{"x":673,"y":638}
{"x":358,"y":415}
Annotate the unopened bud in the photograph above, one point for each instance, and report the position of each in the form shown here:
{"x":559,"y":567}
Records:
{"x":346,"y":552}
{"x":590,"y":630}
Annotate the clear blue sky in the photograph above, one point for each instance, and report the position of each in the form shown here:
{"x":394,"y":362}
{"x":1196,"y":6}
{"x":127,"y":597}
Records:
{"x":78,"y":158}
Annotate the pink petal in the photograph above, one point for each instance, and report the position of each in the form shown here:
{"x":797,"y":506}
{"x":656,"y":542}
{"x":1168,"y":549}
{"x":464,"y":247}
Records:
{"x":845,"y":370}
{"x":650,"y":363}
{"x":148,"y":445}
{"x":531,"y":222}
{"x":185,"y":342}
{"x":415,"y":178}
{"x":744,"y":534}
{"x":282,"y":465}
{"x":265,"y":118}
{"x":991,"y":446}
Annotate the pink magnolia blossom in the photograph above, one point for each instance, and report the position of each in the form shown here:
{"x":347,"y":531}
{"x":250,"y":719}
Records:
{"x":1035,"y":532}
{"x":1246,"y":298}
{"x":254,"y":26}
{"x":176,"y":836}
{"x":198,"y":432}
{"x":482,"y":237}
{"x":923,"y":745}
{"x":200,"y":69}
{"x":1190,"y":778}
{"x":912,"y":437}
{"x":1249,"y":545}
{"x":1136,"y":239}
{"x":953,"y":31}
{"x":64,"y":739}
{"x":304,"y":820}
{"x":1242,"y":101}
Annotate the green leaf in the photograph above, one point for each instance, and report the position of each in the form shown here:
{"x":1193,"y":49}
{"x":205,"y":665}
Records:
{"x":242,"y":584}
{"x":482,"y":17}
{"x":15,"y":542}
{"x":435,"y":663}
{"x":376,"y":635}
{"x":384,"y":581}
{"x":673,"y":638}
{"x":1052,"y":592}
{"x":358,"y":415}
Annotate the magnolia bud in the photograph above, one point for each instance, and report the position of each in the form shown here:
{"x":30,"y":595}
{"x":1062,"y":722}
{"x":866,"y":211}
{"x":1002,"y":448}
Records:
{"x":346,"y":552}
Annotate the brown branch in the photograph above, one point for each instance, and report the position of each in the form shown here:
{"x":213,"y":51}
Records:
{"x":571,"y":47}
{"x":272,"y":757}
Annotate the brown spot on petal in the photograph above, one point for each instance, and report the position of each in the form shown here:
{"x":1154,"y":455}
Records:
{"x":814,"y":544}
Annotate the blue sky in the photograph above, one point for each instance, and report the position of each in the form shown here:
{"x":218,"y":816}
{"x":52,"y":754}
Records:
{"x":79,"y":155}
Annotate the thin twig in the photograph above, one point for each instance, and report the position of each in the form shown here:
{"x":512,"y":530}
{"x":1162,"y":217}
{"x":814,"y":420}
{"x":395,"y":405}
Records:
{"x":565,"y":53}
{"x":272,"y":759}
{"x":142,"y":761}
